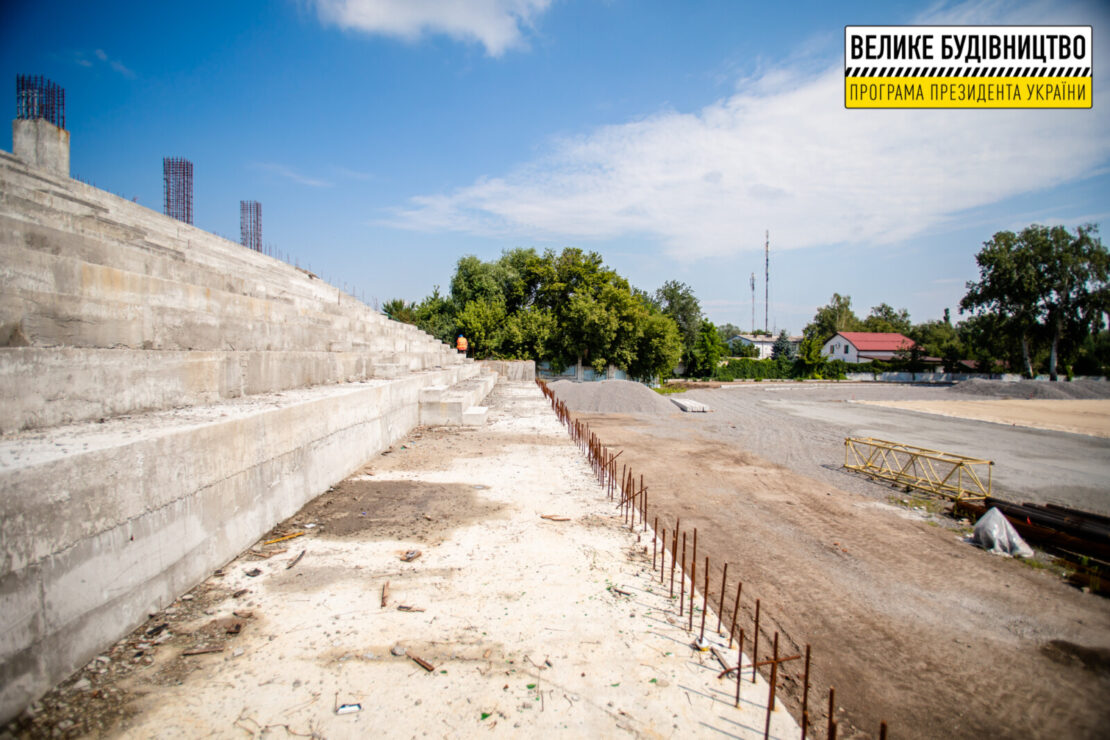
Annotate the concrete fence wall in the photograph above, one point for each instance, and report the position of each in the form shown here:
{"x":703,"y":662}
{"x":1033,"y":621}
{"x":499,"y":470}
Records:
{"x":511,"y":369}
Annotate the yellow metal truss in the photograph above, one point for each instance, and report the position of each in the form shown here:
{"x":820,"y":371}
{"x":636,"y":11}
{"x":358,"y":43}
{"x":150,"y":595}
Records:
{"x":952,"y":476}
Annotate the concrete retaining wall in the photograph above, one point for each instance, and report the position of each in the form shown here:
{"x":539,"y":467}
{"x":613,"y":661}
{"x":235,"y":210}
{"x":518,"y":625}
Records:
{"x":166,"y":397}
{"x":511,"y":369}
{"x":97,"y":536}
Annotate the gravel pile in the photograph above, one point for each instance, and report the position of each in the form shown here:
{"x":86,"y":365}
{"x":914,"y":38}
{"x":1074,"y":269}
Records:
{"x":611,"y":397}
{"x":1060,"y":390}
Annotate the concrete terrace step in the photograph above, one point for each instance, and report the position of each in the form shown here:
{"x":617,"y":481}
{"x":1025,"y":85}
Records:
{"x":55,"y":299}
{"x":81,"y":267}
{"x":105,"y":523}
{"x":457,"y":404}
{"x":44,"y":387}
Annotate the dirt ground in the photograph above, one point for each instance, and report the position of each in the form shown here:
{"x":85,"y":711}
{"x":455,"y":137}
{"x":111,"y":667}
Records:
{"x":910,"y":624}
{"x":530,"y":625}
{"x":1079,"y":417}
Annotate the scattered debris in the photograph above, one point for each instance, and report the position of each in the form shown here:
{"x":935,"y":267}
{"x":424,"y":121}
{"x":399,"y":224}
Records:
{"x":423,"y":663}
{"x":622,"y":592}
{"x":262,"y":554}
{"x":234,"y":628}
{"x":406,"y":608}
{"x":203,"y":651}
{"x":554,"y":518}
{"x":243,"y":614}
{"x":254,"y":572}
{"x":411,"y":555}
{"x":994,"y":533}
{"x":385,"y":594}
{"x":286,"y":537}
{"x":240,"y":592}
{"x":397,"y":651}
{"x":348,"y":709}
{"x":296,"y":560}
{"x":156,"y":629}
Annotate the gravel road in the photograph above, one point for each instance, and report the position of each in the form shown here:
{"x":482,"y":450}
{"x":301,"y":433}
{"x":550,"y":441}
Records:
{"x":803,"y":427}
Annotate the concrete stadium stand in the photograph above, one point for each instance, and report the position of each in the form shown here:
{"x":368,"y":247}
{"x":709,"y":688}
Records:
{"x":166,"y":397}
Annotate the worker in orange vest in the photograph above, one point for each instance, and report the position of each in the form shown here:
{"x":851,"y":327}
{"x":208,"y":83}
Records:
{"x":460,"y":345}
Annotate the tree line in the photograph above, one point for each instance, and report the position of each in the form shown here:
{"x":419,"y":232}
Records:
{"x":562,"y":308}
{"x":1040,"y":303}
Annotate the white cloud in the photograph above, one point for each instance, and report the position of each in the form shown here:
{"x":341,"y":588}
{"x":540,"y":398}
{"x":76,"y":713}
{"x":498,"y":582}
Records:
{"x":102,"y":57}
{"x":780,"y":153}
{"x":291,"y":174}
{"x":496,"y":24}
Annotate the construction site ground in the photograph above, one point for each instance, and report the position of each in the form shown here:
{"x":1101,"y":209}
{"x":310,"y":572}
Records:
{"x":491,"y":554}
{"x":535,"y":625}
{"x":911,"y":624}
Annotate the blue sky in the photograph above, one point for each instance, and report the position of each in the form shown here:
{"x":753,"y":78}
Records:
{"x":387,"y":138}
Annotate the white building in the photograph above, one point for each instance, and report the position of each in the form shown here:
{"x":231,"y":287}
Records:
{"x":864,"y":346}
{"x":763,"y":343}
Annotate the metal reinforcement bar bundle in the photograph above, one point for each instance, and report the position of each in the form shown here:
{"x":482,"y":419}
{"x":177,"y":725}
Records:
{"x":1079,"y":537}
{"x":631,"y":496}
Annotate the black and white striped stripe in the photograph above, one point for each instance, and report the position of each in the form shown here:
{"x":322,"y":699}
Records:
{"x":967,"y":72}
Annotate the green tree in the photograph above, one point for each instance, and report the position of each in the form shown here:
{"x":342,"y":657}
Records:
{"x":727,"y":331}
{"x":436,"y":315}
{"x":985,"y":341}
{"x":707,"y":352}
{"x":678,"y":301}
{"x":809,"y":351}
{"x":1043,"y":283}
{"x":883,"y":318}
{"x":527,"y":334}
{"x":563,"y":308}
{"x":835,"y":317}
{"x":481,"y":321}
{"x":743,"y":349}
{"x":783,"y":347}
{"x":398,"y":310}
{"x":1008,"y":288}
{"x":1075,"y":294}
{"x":658,"y":347}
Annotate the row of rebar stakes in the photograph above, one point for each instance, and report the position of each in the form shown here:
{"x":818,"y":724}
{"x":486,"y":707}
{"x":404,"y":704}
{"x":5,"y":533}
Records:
{"x":632,"y":501}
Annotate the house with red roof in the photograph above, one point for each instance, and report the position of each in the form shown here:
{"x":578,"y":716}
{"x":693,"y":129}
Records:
{"x":865,"y":346}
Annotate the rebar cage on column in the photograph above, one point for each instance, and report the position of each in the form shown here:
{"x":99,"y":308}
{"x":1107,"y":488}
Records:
{"x":38,"y":97}
{"x":177,"y":176}
{"x":250,"y":224}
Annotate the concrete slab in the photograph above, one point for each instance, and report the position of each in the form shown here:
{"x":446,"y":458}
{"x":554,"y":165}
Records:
{"x":690,"y":405}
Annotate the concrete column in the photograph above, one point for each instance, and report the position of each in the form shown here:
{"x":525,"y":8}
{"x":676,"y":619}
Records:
{"x":41,"y":144}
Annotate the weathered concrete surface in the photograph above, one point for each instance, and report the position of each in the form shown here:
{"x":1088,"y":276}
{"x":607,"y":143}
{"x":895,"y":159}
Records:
{"x":44,"y":387}
{"x":511,"y":369}
{"x":455,"y":405}
{"x":231,"y":388}
{"x":42,"y":145}
{"x":535,"y":627}
{"x":104,"y":523}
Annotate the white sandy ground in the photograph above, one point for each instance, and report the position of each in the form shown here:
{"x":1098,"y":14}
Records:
{"x":520,"y":623}
{"x":1089,"y":416}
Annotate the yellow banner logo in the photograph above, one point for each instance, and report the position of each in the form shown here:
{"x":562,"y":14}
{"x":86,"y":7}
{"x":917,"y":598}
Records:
{"x":967,"y":67}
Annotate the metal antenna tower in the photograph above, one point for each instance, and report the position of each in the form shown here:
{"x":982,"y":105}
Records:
{"x":177,"y":179}
{"x":753,"y":301}
{"x":38,"y":97}
{"x":766,"y":282}
{"x":250,"y":224}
